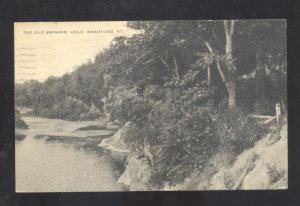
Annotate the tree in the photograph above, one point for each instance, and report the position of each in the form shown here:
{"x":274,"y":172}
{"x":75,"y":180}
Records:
{"x":169,"y":48}
{"x":228,"y":76}
{"x":246,"y":45}
{"x":230,"y":82}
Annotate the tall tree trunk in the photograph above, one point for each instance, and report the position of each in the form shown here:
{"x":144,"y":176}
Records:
{"x":231,"y":94}
{"x":263,"y":80}
{"x":217,"y":63}
{"x":229,"y":28}
{"x":229,"y":78}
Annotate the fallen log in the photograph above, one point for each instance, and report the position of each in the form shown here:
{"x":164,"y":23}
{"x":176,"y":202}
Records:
{"x":244,"y":173}
{"x":259,"y":116}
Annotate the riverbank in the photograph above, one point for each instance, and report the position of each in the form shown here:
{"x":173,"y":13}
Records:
{"x":264,"y":166}
{"x":117,"y":141}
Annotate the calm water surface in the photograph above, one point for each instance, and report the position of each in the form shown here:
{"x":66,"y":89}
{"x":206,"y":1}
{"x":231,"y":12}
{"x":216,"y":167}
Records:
{"x":54,"y":166}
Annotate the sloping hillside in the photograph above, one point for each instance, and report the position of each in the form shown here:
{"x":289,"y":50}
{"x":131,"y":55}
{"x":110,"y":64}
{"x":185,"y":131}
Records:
{"x":264,"y":166}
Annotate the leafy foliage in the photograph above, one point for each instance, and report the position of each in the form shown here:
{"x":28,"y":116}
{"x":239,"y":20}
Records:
{"x":185,"y":136}
{"x":235,"y":131}
{"x":69,"y":109}
{"x":126,"y":105}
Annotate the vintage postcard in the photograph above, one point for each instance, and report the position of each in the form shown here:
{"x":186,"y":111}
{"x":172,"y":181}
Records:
{"x":151,"y":105}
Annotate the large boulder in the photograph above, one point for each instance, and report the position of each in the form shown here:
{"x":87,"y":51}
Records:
{"x":262,"y":167}
{"x":137,"y":174}
{"x":271,"y":167}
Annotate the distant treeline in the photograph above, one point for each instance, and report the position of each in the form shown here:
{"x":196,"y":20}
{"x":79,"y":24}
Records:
{"x":72,"y":96}
{"x":173,"y":80}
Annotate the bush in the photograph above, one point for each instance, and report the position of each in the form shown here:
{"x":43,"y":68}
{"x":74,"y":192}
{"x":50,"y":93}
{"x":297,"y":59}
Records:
{"x":274,"y":173}
{"x":72,"y":108}
{"x":136,"y":138}
{"x":19,"y":122}
{"x":264,"y":108}
{"x":185,"y":139}
{"x":126,"y":105}
{"x":19,"y":136}
{"x":183,"y":145}
{"x":93,"y":113}
{"x":69,"y":108}
{"x":154,"y":93}
{"x":235,"y":131}
{"x":172,"y":127}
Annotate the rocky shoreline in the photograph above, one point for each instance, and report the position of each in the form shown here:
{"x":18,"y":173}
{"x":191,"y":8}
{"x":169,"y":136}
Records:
{"x":116,"y":142}
{"x":137,"y":171}
{"x":262,"y":166}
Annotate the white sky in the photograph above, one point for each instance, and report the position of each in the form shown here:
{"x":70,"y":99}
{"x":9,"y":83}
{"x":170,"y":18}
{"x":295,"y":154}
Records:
{"x":37,"y":55}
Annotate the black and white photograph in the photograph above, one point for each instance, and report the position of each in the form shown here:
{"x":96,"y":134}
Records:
{"x":165,"y":105}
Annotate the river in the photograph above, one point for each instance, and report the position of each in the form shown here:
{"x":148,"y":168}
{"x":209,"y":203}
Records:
{"x":57,"y":157}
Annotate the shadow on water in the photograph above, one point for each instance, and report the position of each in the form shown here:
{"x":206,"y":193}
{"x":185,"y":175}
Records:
{"x":92,"y":127}
{"x":19,"y":137}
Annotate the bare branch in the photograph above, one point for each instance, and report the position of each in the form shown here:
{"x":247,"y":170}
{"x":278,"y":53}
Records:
{"x":217,"y":62}
{"x":163,"y":61}
{"x":165,"y":64}
{"x":209,"y":47}
{"x":176,"y":67}
{"x":146,"y":62}
{"x":221,"y":72}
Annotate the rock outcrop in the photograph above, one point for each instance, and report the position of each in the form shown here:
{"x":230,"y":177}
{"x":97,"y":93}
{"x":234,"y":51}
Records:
{"x":137,"y":174}
{"x":262,"y":167}
{"x":117,"y":141}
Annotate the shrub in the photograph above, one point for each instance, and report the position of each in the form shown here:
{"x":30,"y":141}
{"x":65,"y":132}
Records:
{"x":93,"y":113}
{"x":228,"y":180}
{"x":274,"y":173}
{"x":136,"y":137}
{"x":235,"y":131}
{"x":172,"y":127}
{"x":69,"y":108}
{"x":264,"y":108}
{"x":185,"y":137}
{"x":19,"y":122}
{"x":72,"y":108}
{"x":154,"y":93}
{"x":126,"y":105}
{"x":183,"y":145}
{"x":19,"y":136}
